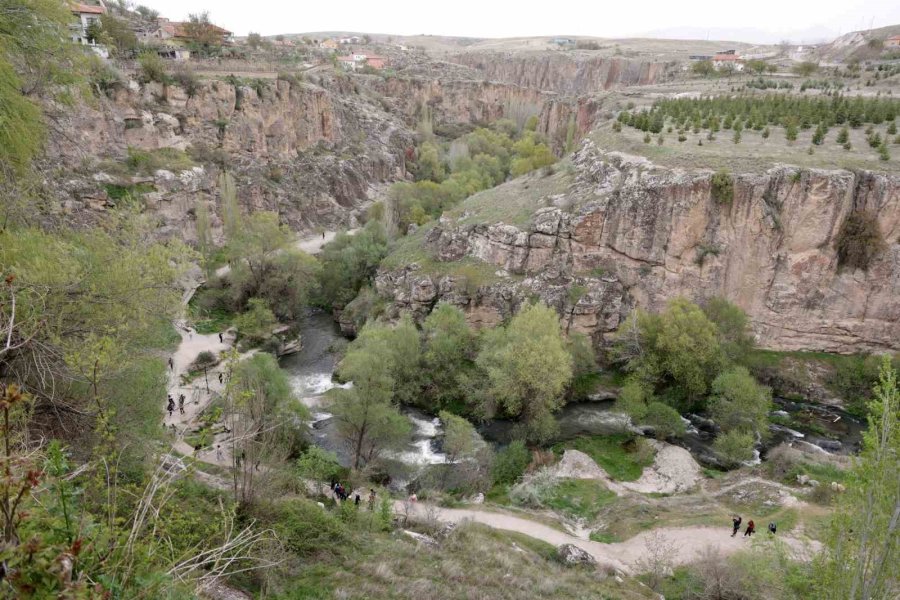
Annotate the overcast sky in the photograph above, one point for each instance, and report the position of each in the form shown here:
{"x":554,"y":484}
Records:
{"x":492,"y":18}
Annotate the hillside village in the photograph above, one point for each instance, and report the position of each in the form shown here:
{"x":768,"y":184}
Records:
{"x":339,"y":314}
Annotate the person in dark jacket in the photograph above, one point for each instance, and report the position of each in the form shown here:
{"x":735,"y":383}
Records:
{"x":736,"y":524}
{"x":772,"y":528}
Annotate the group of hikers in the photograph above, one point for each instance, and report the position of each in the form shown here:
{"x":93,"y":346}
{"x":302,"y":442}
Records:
{"x":751,"y":526}
{"x":341,"y":494}
{"x":170,"y":405}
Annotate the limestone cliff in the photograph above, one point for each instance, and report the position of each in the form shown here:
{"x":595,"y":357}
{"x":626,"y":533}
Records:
{"x":627,"y":233}
{"x":313,"y":154}
{"x":565,"y":73}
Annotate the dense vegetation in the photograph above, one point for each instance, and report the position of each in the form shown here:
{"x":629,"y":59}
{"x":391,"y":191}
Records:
{"x":519,"y":371}
{"x":686,"y":359}
{"x":447,"y":173}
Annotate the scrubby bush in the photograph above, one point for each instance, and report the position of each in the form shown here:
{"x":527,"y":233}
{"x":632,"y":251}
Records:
{"x":665,"y":420}
{"x":153,"y":68}
{"x":735,"y":447}
{"x":722,"y":187}
{"x":511,"y":462}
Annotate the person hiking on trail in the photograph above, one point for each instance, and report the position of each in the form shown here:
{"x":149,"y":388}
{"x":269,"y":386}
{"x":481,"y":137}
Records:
{"x":736,"y":521}
{"x":751,"y":528}
{"x":371,"y":499}
{"x":170,"y":406}
{"x":356,"y":499}
{"x":772,"y":528}
{"x":218,"y":451}
{"x":171,"y":363}
{"x":323,"y":235}
{"x":181,"y":403}
{"x":221,"y":341}
{"x":220,"y":378}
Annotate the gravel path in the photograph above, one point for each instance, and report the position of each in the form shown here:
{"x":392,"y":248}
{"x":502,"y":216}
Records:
{"x":687,"y":543}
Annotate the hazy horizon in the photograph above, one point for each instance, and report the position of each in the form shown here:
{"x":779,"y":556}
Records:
{"x":796,"y":21}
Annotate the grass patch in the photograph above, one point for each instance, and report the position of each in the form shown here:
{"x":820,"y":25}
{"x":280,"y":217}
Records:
{"x":580,"y":498}
{"x":619,"y":455}
{"x":147,"y":162}
{"x":604,"y":537}
{"x":120,"y":192}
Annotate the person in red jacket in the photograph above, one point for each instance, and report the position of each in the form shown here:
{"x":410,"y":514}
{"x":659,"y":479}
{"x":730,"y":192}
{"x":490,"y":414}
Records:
{"x":751,"y":528}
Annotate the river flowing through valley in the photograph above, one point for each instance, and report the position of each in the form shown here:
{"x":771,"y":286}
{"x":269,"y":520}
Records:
{"x":311,"y":374}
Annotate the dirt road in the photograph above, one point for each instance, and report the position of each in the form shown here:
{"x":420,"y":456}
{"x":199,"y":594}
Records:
{"x":688,"y":543}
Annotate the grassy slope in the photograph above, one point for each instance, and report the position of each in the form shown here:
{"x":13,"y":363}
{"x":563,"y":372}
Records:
{"x":473,"y":562}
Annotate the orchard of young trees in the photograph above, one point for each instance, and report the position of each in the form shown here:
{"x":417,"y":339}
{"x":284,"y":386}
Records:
{"x":757,"y":112}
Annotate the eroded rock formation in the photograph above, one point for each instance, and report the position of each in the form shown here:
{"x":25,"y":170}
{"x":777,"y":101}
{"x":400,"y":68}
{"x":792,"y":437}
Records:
{"x":639,"y":235}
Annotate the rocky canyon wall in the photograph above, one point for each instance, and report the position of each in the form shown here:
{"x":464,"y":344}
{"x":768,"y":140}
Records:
{"x":312,"y":154}
{"x":565,"y":73}
{"x":628,"y":233}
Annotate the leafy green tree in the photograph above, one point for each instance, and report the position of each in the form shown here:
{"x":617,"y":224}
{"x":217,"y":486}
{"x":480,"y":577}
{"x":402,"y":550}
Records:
{"x":863,"y":540}
{"x":204,"y":237}
{"x":633,"y":399}
{"x":664,"y":419}
{"x":527,"y":368}
{"x":735,"y":447}
{"x":429,"y":165}
{"x":677,"y":351}
{"x":36,"y":59}
{"x":511,"y":462}
{"x":399,"y":350}
{"x":348,"y":263}
{"x":257,"y":323}
{"x":117,"y":35}
{"x":318,"y":464}
{"x":231,"y":212}
{"x":449,"y":347}
{"x":265,"y":419}
{"x":367,"y":419}
{"x":733,"y":327}
{"x":460,"y":438}
{"x":254,"y":40}
{"x":739,"y":403}
{"x":704,"y":68}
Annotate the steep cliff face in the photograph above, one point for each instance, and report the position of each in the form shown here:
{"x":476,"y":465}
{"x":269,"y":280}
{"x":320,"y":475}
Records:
{"x":573,"y":74}
{"x":482,"y":102}
{"x":312,"y":154}
{"x":640,"y":235}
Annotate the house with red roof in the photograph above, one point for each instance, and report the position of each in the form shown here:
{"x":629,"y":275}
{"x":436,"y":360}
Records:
{"x":892,"y":42}
{"x":87,"y":15}
{"x":728,"y":61}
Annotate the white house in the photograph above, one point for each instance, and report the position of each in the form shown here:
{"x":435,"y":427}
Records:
{"x":85,"y":16}
{"x":731,"y":62}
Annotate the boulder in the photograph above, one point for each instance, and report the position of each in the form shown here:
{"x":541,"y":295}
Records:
{"x":573,"y":556}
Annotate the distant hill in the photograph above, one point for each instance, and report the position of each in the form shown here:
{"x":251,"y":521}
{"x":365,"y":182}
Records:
{"x":810,"y":35}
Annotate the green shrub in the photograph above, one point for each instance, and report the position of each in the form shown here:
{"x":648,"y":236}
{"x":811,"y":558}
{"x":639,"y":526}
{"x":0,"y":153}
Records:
{"x":735,"y":447}
{"x":722,"y":187}
{"x":859,"y":240}
{"x":511,"y":462}
{"x":153,"y":68}
{"x":304,"y":527}
{"x":665,"y":420}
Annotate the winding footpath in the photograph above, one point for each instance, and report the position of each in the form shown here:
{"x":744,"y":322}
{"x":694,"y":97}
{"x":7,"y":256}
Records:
{"x":689,"y":543}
